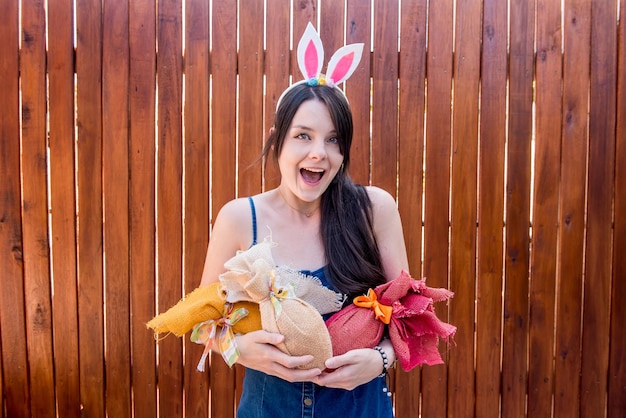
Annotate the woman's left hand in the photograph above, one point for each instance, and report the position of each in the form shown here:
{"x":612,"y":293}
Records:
{"x":351,"y":369}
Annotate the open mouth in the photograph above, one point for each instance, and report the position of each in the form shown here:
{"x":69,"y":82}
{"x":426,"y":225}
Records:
{"x":311,"y":176}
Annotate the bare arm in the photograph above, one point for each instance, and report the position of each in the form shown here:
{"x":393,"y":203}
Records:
{"x":389,"y":233}
{"x":232,"y":231}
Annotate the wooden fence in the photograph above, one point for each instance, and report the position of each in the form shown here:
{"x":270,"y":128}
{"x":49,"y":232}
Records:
{"x":500,"y":126}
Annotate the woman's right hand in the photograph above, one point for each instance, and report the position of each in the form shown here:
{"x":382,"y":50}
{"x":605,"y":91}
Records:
{"x":258,"y":351}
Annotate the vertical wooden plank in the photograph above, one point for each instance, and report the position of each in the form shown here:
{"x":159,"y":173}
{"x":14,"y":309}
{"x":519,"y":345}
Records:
{"x":63,"y":204}
{"x":515,"y":334}
{"x":600,"y":186}
{"x":463,"y":206}
{"x":277,"y":53}
{"x":412,"y":73}
{"x":304,"y":11}
{"x":358,"y":88}
{"x":169,"y":198}
{"x":617,"y":364}
{"x":196,"y":183}
{"x":277,"y":64}
{"x":115,"y":172}
{"x":15,"y":391}
{"x":576,"y":31}
{"x":250,"y":67}
{"x":332,"y":29}
{"x":223,"y":137}
{"x":89,"y":179}
{"x":35,"y":209}
{"x":437,"y":181}
{"x":250,"y":113}
{"x":493,"y":108}
{"x":385,"y":96}
{"x":142,"y":86}
{"x":545,"y":208}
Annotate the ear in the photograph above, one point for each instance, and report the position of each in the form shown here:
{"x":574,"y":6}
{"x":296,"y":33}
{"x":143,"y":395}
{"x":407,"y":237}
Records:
{"x":310,"y":53}
{"x":343,"y":63}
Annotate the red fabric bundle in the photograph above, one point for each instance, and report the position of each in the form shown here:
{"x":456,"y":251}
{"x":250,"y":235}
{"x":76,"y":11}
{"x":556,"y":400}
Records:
{"x":406,"y":305}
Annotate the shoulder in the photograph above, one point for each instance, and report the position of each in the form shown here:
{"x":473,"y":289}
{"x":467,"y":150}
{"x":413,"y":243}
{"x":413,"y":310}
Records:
{"x":235,"y":210}
{"x":233,"y":223}
{"x":381,"y":199}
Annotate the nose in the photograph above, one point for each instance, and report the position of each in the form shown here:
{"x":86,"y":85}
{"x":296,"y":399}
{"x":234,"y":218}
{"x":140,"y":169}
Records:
{"x":318,"y":149}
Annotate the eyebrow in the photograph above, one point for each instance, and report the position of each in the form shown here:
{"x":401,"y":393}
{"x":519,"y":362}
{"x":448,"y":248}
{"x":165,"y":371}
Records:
{"x":306,"y":128}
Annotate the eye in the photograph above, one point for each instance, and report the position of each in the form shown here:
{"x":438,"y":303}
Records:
{"x":303,"y":136}
{"x":333,"y":140}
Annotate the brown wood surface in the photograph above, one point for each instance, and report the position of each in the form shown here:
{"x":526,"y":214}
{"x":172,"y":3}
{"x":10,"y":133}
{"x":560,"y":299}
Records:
{"x":115,"y":162}
{"x":411,"y":69}
{"x":490,"y":234}
{"x":332,"y":31}
{"x":412,"y":89}
{"x":169,"y":199}
{"x":277,"y":69}
{"x":385,"y":97}
{"x":600,"y":186}
{"x":303,"y":12}
{"x":34,"y":211}
{"x":89,"y":219}
{"x":16,"y":395}
{"x":223,"y":145}
{"x":250,"y":122}
{"x":617,"y":363}
{"x":115,"y":122}
{"x":358,"y":90}
{"x":568,"y":336}
{"x":518,"y":176}
{"x":545,"y":209}
{"x":196,"y":206}
{"x":437,"y":183}
{"x":142,"y":204}
{"x":63,"y":200}
{"x":463,"y":202}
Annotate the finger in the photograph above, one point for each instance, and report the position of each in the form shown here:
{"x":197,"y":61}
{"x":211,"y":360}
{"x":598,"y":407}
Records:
{"x":265,"y":337}
{"x":300,"y":375}
{"x":334,"y":379}
{"x":295,"y":362}
{"x":337,"y":362}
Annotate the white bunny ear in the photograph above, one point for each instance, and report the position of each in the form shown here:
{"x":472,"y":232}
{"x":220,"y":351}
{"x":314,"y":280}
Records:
{"x":343,"y":63}
{"x":310,"y":53}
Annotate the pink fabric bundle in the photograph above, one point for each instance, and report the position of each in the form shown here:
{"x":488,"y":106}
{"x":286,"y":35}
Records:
{"x":406,"y":305}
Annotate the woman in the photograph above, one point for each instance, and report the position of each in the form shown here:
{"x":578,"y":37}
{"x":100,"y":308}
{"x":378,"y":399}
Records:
{"x":323,"y":224}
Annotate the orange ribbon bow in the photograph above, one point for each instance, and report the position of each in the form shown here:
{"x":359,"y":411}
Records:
{"x":382,"y":312}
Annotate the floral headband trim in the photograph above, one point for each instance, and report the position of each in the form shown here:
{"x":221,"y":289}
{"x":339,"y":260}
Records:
{"x":310,"y":55}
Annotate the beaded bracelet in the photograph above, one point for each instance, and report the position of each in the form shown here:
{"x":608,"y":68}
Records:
{"x":385,"y":360}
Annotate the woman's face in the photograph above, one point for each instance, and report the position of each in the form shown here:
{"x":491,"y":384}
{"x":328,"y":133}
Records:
{"x":310,"y":156}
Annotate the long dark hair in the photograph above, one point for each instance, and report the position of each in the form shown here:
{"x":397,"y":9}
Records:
{"x":353,"y":259}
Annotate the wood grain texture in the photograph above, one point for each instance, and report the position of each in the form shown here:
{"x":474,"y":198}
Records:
{"x":490,"y":233}
{"x":498,"y":126}
{"x":90,"y":206}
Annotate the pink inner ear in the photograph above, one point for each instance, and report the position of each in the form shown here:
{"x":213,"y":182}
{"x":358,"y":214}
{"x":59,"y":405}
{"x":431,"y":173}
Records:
{"x":310,"y":60}
{"x":342,"y":67}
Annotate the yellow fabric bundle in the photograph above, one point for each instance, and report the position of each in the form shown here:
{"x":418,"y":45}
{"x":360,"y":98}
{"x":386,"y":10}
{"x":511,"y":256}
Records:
{"x":203,"y":304}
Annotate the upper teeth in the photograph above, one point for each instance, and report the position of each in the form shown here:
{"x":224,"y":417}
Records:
{"x":314,"y":170}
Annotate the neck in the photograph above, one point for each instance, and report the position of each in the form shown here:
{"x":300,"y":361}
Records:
{"x":308,"y":212}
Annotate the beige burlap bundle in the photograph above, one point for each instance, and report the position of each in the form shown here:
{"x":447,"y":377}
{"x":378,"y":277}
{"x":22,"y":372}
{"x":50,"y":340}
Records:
{"x":290,"y":302}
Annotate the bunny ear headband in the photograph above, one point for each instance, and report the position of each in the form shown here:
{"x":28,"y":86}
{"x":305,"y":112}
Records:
{"x":311,"y":57}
